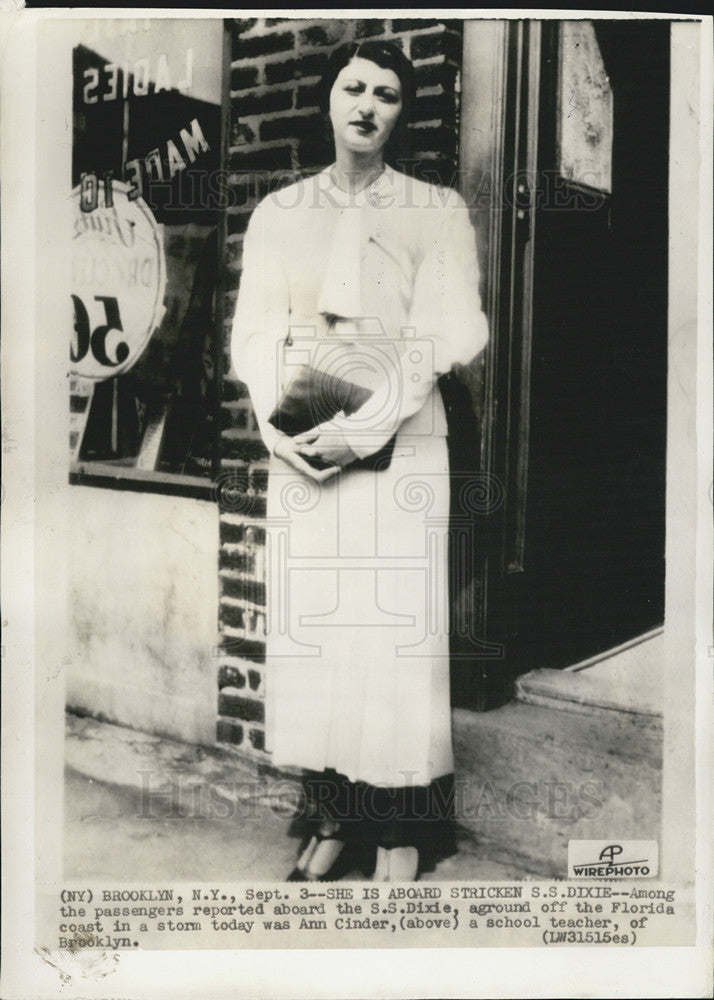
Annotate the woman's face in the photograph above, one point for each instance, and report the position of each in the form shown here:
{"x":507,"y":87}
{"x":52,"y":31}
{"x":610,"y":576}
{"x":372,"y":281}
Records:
{"x":365,"y":102}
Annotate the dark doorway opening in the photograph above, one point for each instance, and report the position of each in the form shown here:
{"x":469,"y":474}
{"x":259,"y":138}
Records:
{"x":578,"y":420}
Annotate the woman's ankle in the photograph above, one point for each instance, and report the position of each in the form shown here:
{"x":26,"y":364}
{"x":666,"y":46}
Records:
{"x":323,"y":858}
{"x":396,"y":864}
{"x":322,"y":850}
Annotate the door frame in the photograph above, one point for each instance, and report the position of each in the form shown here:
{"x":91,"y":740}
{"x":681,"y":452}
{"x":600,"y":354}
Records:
{"x":498,"y":161}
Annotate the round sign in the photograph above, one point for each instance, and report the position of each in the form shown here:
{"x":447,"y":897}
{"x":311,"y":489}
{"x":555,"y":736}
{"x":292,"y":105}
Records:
{"x":118,"y":278}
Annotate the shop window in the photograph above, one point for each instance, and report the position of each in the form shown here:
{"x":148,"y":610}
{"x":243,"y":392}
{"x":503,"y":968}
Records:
{"x":585,"y":109}
{"x":147,"y":154}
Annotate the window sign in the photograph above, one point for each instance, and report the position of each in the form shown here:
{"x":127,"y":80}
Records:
{"x":118,"y":278}
{"x":146,"y":156}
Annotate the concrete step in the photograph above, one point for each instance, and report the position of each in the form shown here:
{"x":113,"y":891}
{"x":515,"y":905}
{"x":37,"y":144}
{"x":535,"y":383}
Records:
{"x":627,"y":679}
{"x":532,"y":777}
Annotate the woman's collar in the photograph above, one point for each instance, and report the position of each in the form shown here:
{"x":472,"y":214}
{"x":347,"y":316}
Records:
{"x":373,"y":194}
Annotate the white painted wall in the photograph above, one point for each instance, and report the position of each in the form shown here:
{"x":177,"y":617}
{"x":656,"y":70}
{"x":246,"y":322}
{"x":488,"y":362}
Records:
{"x":143,"y":605}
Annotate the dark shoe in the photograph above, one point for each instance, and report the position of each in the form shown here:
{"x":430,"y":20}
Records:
{"x":297,"y":875}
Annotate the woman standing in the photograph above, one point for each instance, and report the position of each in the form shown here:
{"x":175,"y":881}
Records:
{"x":370,"y":276}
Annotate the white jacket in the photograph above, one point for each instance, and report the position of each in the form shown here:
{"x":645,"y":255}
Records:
{"x":380,"y":288}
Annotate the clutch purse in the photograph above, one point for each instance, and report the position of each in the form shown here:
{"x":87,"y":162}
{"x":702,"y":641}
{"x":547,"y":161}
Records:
{"x":312,"y":397}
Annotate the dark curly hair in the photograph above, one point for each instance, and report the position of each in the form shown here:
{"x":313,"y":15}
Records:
{"x":386,"y":55}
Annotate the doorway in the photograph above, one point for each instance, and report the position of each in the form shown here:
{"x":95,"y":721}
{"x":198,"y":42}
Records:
{"x":574,"y":244}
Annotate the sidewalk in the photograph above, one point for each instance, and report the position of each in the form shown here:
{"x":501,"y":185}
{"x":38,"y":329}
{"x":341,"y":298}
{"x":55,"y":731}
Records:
{"x":144,"y":809}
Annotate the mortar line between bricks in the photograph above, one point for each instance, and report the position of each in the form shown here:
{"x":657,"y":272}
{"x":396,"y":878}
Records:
{"x":244,"y":692}
{"x":241,"y":579}
{"x":236,"y":604}
{"x":247,"y":694}
{"x":437,"y":60}
{"x":258,"y":146}
{"x":241,"y":634}
{"x":238,"y":662}
{"x":230,"y":632}
{"x":247,"y":634}
{"x":237,"y":548}
{"x":238,"y":521}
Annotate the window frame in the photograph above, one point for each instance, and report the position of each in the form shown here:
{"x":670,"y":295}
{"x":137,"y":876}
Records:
{"x":117,"y":476}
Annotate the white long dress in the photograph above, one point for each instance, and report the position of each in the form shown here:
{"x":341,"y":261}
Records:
{"x":380,"y":288}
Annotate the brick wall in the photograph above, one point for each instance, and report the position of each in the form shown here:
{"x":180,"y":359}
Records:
{"x":276,"y":135}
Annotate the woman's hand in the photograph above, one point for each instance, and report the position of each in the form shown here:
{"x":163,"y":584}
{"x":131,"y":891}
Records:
{"x":327,"y":443}
{"x":289,"y":450}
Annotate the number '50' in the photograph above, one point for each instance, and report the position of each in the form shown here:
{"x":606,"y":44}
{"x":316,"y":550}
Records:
{"x":97,"y":339}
